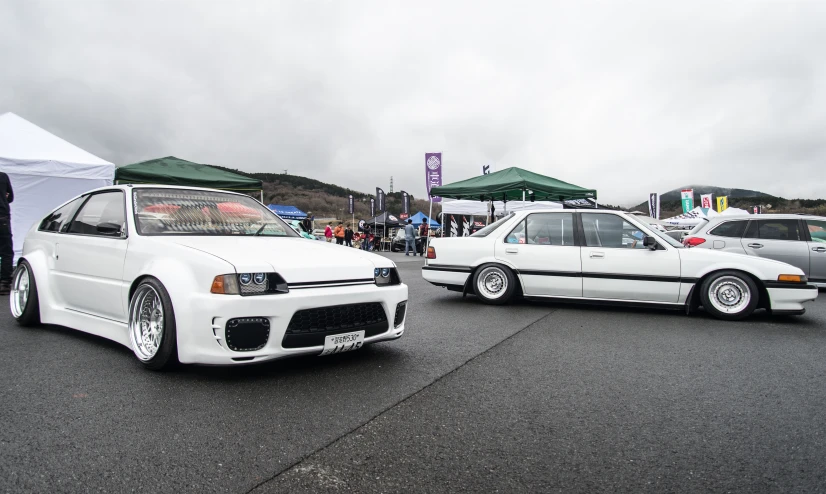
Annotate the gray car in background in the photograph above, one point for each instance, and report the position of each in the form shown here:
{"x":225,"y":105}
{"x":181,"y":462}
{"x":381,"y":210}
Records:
{"x":799,"y":240}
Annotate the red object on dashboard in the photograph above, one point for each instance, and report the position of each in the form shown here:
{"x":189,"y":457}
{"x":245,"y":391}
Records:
{"x":694,"y":241}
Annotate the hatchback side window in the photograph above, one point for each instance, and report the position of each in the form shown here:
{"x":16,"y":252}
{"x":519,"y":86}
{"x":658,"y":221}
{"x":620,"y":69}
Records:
{"x":101,"y":215}
{"x":732,"y":229}
{"x":817,"y":230}
{"x":58,"y":221}
{"x":774,"y":230}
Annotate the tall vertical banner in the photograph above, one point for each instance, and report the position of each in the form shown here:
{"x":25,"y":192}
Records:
{"x":705,"y":201}
{"x":654,"y":205}
{"x":405,"y":203}
{"x":380,"y":199}
{"x":687,"y":198}
{"x":487,"y":169}
{"x":351,"y":207}
{"x":433,"y":172}
{"x":722,"y":204}
{"x":372,"y":207}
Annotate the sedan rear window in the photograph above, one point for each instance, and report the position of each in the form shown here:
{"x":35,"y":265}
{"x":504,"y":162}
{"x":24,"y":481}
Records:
{"x":731,"y":229}
{"x":484,"y":232}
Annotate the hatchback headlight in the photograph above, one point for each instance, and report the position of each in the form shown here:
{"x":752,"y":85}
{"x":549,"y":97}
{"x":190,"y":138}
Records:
{"x":386,"y":276}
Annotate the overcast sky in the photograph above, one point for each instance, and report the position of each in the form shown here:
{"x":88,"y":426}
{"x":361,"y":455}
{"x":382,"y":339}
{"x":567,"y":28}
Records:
{"x":624,"y":97}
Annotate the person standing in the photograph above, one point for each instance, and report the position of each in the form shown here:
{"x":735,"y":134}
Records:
{"x":6,"y":248}
{"x":365,"y":238}
{"x":328,"y":232}
{"x":409,"y":238}
{"x":348,"y":236}
{"x":339,"y":233}
{"x":307,"y":222}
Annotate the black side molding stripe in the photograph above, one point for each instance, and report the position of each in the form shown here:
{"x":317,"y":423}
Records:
{"x":606,"y":276}
{"x":792,"y":285}
{"x":452,"y":269}
{"x":561,"y":274}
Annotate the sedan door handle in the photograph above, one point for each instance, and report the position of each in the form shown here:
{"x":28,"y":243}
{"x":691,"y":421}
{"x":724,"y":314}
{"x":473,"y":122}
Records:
{"x":597,"y":255}
{"x":511,"y":250}
{"x":755,"y":246}
{"x":819,"y":249}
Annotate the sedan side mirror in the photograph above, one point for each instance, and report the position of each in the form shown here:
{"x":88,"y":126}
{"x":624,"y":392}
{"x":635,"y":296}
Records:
{"x":109,"y":229}
{"x":649,"y":242}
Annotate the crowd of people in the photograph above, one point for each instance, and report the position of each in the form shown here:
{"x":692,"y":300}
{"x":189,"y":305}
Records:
{"x":345,"y":235}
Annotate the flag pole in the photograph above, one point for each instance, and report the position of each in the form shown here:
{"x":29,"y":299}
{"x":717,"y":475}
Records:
{"x":429,"y":214}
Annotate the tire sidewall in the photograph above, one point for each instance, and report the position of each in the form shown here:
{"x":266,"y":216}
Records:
{"x":746,"y":312}
{"x":167,"y":354}
{"x":509,"y":291}
{"x":31,"y":313}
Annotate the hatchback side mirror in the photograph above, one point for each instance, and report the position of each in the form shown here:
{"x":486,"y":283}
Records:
{"x":649,"y":242}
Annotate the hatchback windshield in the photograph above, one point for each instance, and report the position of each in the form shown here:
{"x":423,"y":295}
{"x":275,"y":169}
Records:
{"x":201,"y":212}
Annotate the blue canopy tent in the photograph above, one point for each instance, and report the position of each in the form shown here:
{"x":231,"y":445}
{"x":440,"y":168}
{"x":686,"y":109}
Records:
{"x":287,"y":212}
{"x":419,"y":217}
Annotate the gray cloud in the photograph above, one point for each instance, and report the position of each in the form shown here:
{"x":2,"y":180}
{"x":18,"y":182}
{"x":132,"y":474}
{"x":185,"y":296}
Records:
{"x":624,"y":97}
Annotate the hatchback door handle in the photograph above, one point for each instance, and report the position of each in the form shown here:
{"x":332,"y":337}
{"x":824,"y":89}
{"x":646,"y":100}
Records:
{"x":511,"y":250}
{"x":597,"y":255}
{"x":755,"y":246}
{"x":819,"y":249}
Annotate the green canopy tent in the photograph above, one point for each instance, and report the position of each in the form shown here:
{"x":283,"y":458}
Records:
{"x":175,"y":171}
{"x":513,"y":184}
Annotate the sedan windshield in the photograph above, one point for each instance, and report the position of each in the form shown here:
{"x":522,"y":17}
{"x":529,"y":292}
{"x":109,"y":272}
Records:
{"x":200,"y":212}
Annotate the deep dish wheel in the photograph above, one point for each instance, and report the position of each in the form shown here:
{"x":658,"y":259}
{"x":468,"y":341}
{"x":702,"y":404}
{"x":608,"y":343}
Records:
{"x":729,"y":295}
{"x":494,"y":284}
{"x":23,"y":299}
{"x":152,"y":330}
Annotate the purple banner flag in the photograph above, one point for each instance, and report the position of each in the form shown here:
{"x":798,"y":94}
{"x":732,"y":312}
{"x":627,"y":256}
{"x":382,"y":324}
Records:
{"x":433,"y":172}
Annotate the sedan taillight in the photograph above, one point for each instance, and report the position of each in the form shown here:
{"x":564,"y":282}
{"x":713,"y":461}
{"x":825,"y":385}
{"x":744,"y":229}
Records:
{"x":693,"y":241}
{"x":431,"y":253}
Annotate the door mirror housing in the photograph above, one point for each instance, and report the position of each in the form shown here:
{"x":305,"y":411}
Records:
{"x":109,"y":229}
{"x":650,"y":243}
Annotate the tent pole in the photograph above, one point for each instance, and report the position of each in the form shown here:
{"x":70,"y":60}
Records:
{"x":429,"y":214}
{"x":523,"y":195}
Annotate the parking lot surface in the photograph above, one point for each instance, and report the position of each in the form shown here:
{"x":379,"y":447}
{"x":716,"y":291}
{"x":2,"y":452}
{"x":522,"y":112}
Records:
{"x":473,"y":398}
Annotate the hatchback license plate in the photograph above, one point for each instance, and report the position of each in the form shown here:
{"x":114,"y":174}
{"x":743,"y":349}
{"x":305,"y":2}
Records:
{"x":339,"y":343}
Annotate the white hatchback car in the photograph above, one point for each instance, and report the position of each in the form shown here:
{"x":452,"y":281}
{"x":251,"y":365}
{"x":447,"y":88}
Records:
{"x":201,"y":276}
{"x":799,"y":240}
{"x":609,"y":257}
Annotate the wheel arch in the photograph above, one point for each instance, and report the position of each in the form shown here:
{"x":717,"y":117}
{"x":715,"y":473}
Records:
{"x":468,"y":288}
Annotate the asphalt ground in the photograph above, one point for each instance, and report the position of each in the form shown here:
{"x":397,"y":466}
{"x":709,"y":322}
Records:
{"x":528,"y":397}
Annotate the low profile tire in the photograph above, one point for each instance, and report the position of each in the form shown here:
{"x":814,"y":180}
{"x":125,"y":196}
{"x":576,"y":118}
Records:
{"x":23,"y":299}
{"x":729,"y":295}
{"x":494,"y":284}
{"x":152,"y":329}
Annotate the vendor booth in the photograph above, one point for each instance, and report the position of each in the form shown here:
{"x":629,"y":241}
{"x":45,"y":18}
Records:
{"x":287,"y":212}
{"x":175,"y":171}
{"x":419,"y":218}
{"x":45,"y":171}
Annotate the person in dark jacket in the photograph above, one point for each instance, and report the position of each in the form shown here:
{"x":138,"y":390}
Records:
{"x":6,"y":248}
{"x":348,"y":236}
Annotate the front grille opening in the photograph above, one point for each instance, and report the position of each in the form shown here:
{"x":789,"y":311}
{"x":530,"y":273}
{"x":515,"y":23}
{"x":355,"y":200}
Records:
{"x":247,"y":334}
{"x":400,"y":311}
{"x":309,"y":327}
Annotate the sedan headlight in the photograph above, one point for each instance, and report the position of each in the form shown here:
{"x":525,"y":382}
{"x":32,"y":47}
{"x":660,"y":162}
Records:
{"x":249,"y":284}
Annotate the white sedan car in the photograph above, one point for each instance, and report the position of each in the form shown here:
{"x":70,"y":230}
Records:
{"x":609,"y":257}
{"x":201,"y":276}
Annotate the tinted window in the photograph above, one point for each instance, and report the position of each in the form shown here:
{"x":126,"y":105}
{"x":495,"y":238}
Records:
{"x":751,"y":231}
{"x":817,"y":230}
{"x":102,"y":214}
{"x":732,"y":229}
{"x":778,"y":229}
{"x":550,"y":229}
{"x":611,"y":231}
{"x":59,"y":220}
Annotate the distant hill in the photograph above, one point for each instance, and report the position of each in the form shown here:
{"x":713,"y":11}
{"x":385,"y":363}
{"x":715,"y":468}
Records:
{"x":326,"y":200}
{"x":671,"y":205}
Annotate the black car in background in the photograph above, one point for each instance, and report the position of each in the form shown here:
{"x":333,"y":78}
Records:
{"x":398,"y":243}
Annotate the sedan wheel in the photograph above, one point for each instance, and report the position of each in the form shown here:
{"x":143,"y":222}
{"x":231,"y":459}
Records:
{"x":152,"y":325}
{"x":494,"y":284}
{"x":729,"y":295}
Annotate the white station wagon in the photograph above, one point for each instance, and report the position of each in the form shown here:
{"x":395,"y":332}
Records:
{"x":609,"y":257}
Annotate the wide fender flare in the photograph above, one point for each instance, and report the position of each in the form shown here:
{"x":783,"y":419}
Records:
{"x":39,"y":262}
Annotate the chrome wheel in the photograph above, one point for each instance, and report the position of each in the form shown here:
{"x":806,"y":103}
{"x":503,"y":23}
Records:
{"x":20,"y":291}
{"x":492,"y":283}
{"x":146,"y":322}
{"x":729,"y":294}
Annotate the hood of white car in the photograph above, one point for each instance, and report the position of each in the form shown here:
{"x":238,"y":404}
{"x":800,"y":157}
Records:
{"x":295,"y":259}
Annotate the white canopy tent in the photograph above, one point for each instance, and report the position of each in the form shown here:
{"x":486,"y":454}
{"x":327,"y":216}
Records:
{"x":45,"y":171}
{"x":734,"y":212}
{"x":691,"y":218}
{"x":480,"y":208}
